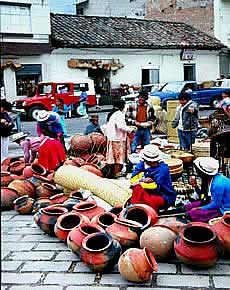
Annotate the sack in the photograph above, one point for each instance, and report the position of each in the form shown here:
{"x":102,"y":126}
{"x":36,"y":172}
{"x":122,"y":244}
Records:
{"x":81,"y":110}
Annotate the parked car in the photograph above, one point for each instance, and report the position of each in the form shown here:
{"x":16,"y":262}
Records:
{"x":48,"y":92}
{"x":205,"y":96}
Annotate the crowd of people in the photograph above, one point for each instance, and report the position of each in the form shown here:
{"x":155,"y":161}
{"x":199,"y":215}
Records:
{"x":150,"y":180}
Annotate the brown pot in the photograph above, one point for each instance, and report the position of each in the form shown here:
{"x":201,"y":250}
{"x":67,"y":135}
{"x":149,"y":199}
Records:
{"x":5,"y":178}
{"x":58,"y":198}
{"x":80,"y":144}
{"x":104,"y":219}
{"x":88,"y":208}
{"x":27,"y":171}
{"x":38,"y":169}
{"x":23,"y":187}
{"x":8,"y":195}
{"x":41,"y":202}
{"x":46,"y":190}
{"x":17,"y":167}
{"x":24,"y":204}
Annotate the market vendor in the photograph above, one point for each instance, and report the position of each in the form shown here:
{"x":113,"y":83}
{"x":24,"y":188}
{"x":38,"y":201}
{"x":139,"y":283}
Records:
{"x":151,"y":180}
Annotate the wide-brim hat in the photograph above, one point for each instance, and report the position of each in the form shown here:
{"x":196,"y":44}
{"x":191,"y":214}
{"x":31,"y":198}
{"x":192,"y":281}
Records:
{"x":43,"y":115}
{"x":150,"y":153}
{"x":207,"y":165}
{"x":18,"y":136}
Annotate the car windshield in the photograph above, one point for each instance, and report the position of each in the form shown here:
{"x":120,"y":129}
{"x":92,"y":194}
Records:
{"x":172,"y":87}
{"x":44,"y":89}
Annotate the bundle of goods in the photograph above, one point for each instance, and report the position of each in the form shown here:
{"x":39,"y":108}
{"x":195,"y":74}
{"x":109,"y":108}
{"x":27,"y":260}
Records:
{"x":182,"y":155}
{"x":183,"y":188}
{"x":201,"y":148}
{"x":175,"y":167}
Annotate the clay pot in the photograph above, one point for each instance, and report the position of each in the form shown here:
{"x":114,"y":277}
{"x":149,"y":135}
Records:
{"x":92,"y":168}
{"x":27,"y":172}
{"x":17,"y":177}
{"x":174,"y":222}
{"x":140,"y":213}
{"x":222,"y":227}
{"x":41,"y":202}
{"x":125,"y":231}
{"x":98,"y":142}
{"x":198,"y":245}
{"x":46,"y":218}
{"x":58,"y":198}
{"x":80,"y":144}
{"x":8,"y":160}
{"x":5,"y":178}
{"x":78,"y":161}
{"x":23,"y":187}
{"x":88,"y":208}
{"x":67,"y":222}
{"x":104,"y":219}
{"x":100,"y":252}
{"x":137,"y":265}
{"x":76,"y":236}
{"x":38,"y":169}
{"x":8,"y":195}
{"x":39,"y":179}
{"x":70,"y":162}
{"x":76,"y":193}
{"x":116,"y":210}
{"x":24,"y":204}
{"x":159,"y":240}
{"x":45,"y":190}
{"x":70,"y":202}
{"x":17,"y":167}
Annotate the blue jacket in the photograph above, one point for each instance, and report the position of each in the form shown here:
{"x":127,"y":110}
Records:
{"x":220,"y":192}
{"x":162,"y":177}
{"x":92,"y":128}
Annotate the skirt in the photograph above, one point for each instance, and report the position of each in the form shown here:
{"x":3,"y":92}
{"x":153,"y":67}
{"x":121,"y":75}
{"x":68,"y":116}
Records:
{"x":117,"y":152}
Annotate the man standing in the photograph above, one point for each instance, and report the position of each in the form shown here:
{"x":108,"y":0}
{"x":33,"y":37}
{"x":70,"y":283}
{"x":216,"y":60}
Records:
{"x":141,"y":115}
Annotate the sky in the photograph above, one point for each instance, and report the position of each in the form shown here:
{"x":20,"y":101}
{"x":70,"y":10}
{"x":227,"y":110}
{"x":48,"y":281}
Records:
{"x":62,"y":6}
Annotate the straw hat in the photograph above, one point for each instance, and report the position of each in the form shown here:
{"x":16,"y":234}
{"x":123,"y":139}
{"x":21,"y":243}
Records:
{"x":43,"y":115}
{"x":150,"y":153}
{"x":18,"y":136}
{"x":207,"y":165}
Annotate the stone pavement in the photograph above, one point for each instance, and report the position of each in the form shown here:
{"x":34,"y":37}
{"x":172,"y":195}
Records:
{"x":31,"y":259}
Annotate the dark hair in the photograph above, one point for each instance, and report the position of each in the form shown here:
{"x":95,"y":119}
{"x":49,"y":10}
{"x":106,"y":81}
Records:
{"x":6,"y":105}
{"x":60,"y":100}
{"x":184,"y":96}
{"x":117,"y":105}
{"x":143,"y":94}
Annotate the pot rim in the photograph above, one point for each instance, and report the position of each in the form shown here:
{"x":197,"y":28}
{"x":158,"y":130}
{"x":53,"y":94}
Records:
{"x":4,"y":173}
{"x":21,"y":198}
{"x":105,"y":213}
{"x":61,"y":217}
{"x":49,"y":186}
{"x":151,"y":259}
{"x":200,"y":225}
{"x":128,"y":222}
{"x":9,"y":188}
{"x":85,"y":240}
{"x":91,"y":225}
{"x":56,"y":195}
{"x":83,"y":203}
{"x":46,"y":210}
{"x":226,"y":215}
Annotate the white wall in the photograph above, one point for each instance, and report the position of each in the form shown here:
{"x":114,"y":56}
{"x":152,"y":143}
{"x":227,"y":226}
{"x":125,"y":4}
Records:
{"x":222,"y":21}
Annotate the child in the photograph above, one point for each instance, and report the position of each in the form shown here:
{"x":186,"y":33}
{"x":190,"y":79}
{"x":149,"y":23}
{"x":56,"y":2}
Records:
{"x":93,"y":125}
{"x":30,"y":145}
{"x":62,"y":110}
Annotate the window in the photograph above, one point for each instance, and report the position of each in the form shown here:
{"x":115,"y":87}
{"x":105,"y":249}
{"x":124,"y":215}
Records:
{"x":80,"y":11}
{"x":15,"y":18}
{"x":150,"y":76}
{"x":79,"y":87}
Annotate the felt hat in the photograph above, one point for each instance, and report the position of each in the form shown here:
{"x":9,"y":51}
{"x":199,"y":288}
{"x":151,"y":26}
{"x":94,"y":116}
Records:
{"x":18,"y":136}
{"x":207,"y":165}
{"x":150,"y":153}
{"x":43,"y":115}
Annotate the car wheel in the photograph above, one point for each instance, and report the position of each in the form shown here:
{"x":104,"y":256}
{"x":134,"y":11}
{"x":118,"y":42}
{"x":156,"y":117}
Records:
{"x":76,"y":110}
{"x":33,"y":112}
{"x":215,"y":103}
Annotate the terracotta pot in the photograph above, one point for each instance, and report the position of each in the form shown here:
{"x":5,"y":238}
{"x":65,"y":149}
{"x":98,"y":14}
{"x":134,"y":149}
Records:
{"x":45,"y":190}
{"x":125,"y":231}
{"x":58,"y":198}
{"x":174,"y":222}
{"x":137,"y":265}
{"x":78,"y":161}
{"x":8,"y":160}
{"x":104,"y":219}
{"x":100,"y":252}
{"x":76,"y":236}
{"x":8,"y":195}
{"x":23,"y":187}
{"x":80,"y":144}
{"x":88,"y":208}
{"x":27,"y":171}
{"x":76,"y":193}
{"x":5,"y":178}
{"x":46,"y":218}
{"x":39,"y":179}
{"x":159,"y":240}
{"x":222,"y":227}
{"x":92,"y":168}
{"x":67,"y":222}
{"x":70,"y":202}
{"x":116,"y":210}
{"x":38,"y":169}
{"x":17,"y":167}
{"x":17,"y":177}
{"x":41,"y":202}
{"x":24,"y":204}
{"x":98,"y":142}
{"x":198,"y":245}
{"x":140,"y":213}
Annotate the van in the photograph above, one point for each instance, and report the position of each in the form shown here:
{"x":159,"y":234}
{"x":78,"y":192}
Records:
{"x":47,"y":93}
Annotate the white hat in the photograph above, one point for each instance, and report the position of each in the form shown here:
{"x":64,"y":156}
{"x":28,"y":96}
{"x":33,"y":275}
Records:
{"x":150,"y":153}
{"x":18,"y":136}
{"x":43,"y":115}
{"x":207,"y":165}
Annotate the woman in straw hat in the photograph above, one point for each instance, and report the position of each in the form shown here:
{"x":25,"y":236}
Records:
{"x":151,"y":180}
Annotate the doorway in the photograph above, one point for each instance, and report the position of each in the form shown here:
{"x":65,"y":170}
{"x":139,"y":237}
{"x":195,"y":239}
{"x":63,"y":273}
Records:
{"x":149,"y":76}
{"x":189,"y":72}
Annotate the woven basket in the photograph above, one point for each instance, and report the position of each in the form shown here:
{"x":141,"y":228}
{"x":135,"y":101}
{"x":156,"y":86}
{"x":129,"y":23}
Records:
{"x":174,"y":163}
{"x":201,"y":149}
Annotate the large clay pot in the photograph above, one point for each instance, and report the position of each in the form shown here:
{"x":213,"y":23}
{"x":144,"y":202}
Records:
{"x":23,"y":187}
{"x":116,"y":209}
{"x":41,"y":202}
{"x":140,"y":213}
{"x":98,"y":142}
{"x":38,"y":169}
{"x":198,"y":245}
{"x":8,"y":160}
{"x":17,"y":167}
{"x":5,"y":178}
{"x":88,"y":208}
{"x":46,"y":190}
{"x":104,"y":219}
{"x":100,"y":252}
{"x":93,"y":168}
{"x":24,"y":204}
{"x":67,"y":222}
{"x":125,"y":231}
{"x":58,"y":198}
{"x":222,"y":227}
{"x":159,"y":240}
{"x":80,"y":144}
{"x":46,"y":218}
{"x":8,"y":195}
{"x":137,"y":265}
{"x":76,"y":236}
{"x":174,"y":222}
